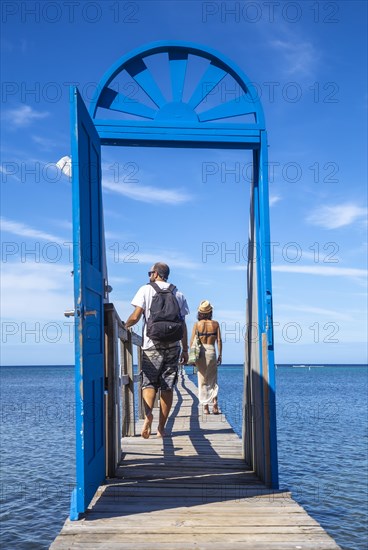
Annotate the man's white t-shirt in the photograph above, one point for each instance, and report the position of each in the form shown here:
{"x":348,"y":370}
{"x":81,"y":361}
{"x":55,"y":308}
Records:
{"x":143,"y":299}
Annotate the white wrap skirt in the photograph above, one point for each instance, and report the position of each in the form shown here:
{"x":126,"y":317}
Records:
{"x":207,"y":374}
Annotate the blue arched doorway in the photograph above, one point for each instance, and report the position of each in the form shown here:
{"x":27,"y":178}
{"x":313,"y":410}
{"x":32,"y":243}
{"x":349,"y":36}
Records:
{"x":132,"y":107}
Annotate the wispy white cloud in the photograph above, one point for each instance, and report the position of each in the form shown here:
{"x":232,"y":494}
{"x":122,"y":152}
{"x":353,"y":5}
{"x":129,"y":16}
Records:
{"x":112,"y":235}
{"x":274,"y":199}
{"x":169,"y":257}
{"x":44,"y":143}
{"x":340,"y":215}
{"x":65,"y":224}
{"x":300,"y":57}
{"x":322,"y":270}
{"x":23,"y":116}
{"x":43,"y":290}
{"x":7,"y":172}
{"x":241,"y":267}
{"x":109,"y":213}
{"x":119,"y":280}
{"x":22,"y":230}
{"x":302,"y":308}
{"x":147,"y":193}
{"x":232,"y":316}
{"x":325,"y":271}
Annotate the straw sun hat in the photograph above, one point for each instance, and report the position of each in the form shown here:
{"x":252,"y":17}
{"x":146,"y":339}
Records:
{"x":205,"y":307}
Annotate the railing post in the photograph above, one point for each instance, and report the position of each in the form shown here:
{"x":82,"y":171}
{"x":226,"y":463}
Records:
{"x":266,"y":412}
{"x":140,"y":397}
{"x":128,"y":391}
{"x":106,"y":392}
{"x":119,"y":385}
{"x":113,"y":394}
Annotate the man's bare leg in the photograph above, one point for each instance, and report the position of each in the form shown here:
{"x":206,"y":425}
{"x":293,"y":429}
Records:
{"x":149,"y":395}
{"x":165,"y":407}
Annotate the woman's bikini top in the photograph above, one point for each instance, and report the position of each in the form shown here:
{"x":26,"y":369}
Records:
{"x":207,"y":333}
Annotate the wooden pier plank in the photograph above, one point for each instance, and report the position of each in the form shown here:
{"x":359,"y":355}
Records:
{"x":191,"y":490}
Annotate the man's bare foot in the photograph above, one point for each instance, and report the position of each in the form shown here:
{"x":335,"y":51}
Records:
{"x":146,"y":430}
{"x":206,"y":410}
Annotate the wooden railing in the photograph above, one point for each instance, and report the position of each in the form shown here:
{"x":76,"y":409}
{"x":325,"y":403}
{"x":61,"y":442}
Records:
{"x":119,"y":385}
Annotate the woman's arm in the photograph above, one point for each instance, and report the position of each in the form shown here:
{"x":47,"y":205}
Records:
{"x":219,"y":345}
{"x":193,"y":334}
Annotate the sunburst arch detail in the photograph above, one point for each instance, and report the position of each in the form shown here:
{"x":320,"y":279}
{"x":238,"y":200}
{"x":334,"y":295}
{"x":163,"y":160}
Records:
{"x":177,"y":110}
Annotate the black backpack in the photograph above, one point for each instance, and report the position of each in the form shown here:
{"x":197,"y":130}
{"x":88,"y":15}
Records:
{"x":165,"y":324}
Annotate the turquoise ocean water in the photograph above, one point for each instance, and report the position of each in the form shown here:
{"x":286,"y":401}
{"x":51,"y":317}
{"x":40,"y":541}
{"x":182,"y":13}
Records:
{"x":322,"y":446}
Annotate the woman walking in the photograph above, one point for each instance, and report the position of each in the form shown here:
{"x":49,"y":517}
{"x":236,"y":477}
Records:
{"x":209,"y":334}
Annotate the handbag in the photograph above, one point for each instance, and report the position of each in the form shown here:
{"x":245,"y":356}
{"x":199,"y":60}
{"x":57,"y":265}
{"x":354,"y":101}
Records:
{"x":195,"y":350}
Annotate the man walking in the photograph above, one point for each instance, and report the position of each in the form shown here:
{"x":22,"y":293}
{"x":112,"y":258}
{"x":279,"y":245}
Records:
{"x":164,"y":309}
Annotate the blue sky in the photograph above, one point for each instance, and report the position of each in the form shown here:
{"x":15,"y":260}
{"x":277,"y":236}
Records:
{"x":190,"y":207}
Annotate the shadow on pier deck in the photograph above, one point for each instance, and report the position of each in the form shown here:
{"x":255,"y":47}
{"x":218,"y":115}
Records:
{"x":190,"y":490}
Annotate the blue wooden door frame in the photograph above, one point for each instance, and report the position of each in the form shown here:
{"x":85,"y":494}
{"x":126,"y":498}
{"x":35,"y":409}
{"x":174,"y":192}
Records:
{"x":179,"y":123}
{"x":168,"y":123}
{"x":88,"y":306}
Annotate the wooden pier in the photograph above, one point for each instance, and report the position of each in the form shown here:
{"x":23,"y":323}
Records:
{"x":190,"y":490}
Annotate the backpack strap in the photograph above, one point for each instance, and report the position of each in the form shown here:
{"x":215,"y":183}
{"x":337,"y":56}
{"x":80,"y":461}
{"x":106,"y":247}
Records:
{"x":172,"y":288}
{"x":155,"y":287}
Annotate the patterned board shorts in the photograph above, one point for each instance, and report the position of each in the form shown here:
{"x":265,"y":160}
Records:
{"x":160,"y":367}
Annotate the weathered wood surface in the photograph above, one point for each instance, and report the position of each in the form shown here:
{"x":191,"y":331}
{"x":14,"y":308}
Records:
{"x":190,"y":490}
